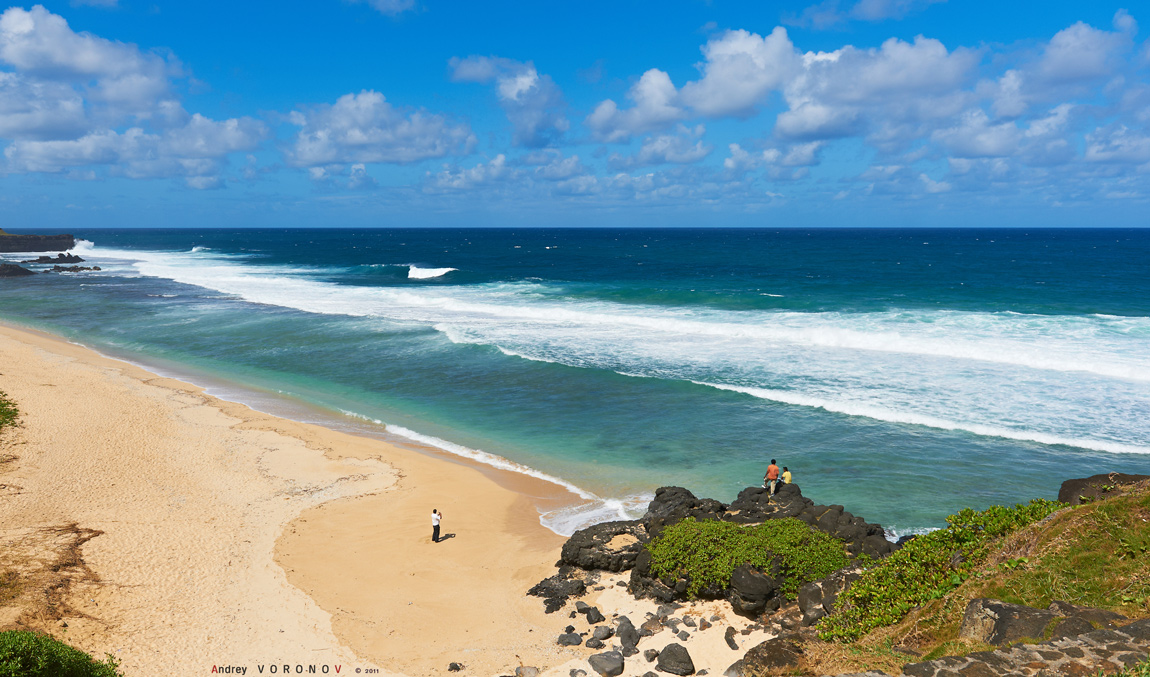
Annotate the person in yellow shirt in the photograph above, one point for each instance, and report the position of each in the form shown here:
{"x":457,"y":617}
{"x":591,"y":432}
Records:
{"x":786,"y":476}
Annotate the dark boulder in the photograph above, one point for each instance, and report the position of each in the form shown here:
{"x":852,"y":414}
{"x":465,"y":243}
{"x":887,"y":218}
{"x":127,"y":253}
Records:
{"x":651,"y":654}
{"x":608,"y":664}
{"x":817,"y":599}
{"x":603,"y":632}
{"x":595,"y":643}
{"x":594,"y":616}
{"x":610,"y":546}
{"x":13,"y":270}
{"x":1096,"y":617}
{"x":672,"y":504}
{"x":729,"y":636}
{"x":627,"y":634}
{"x":569,"y":639}
{"x":675,"y":659}
{"x":556,"y":589}
{"x":996,"y":622}
{"x":770,"y":657}
{"x":1093,"y":488}
{"x":752,"y":591}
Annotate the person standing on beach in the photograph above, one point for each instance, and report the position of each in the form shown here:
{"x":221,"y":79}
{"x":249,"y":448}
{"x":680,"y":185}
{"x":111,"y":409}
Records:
{"x":772,"y":477}
{"x":435,"y":517}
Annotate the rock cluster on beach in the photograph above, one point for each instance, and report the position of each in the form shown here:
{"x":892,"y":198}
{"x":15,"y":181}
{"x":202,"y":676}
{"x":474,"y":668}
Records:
{"x":618,"y":546}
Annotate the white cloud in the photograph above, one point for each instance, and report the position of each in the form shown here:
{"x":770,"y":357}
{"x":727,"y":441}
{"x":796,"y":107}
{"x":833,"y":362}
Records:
{"x":459,"y":179}
{"x":684,"y":147}
{"x":741,"y":68}
{"x":117,"y":77}
{"x":194,"y":151}
{"x":38,"y":109}
{"x":533,"y":102}
{"x":390,"y":7}
{"x":932,"y":186}
{"x":1117,"y":145}
{"x":975,"y":136}
{"x":655,"y":108}
{"x":829,"y":14}
{"x":1081,"y":52}
{"x":365,"y":128}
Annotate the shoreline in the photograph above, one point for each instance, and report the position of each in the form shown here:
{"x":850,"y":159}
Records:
{"x":197,"y":498}
{"x":508,"y":473}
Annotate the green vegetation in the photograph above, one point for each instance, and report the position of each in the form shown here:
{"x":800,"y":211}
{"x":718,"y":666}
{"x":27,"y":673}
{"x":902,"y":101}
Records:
{"x":1097,"y":555}
{"x":30,"y":654}
{"x":708,"y":552}
{"x":926,"y":568}
{"x":8,"y":412}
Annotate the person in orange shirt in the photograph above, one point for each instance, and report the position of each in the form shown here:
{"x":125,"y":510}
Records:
{"x":772,"y":477}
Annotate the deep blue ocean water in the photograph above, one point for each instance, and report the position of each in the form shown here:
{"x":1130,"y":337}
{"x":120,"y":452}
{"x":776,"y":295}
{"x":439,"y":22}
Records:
{"x":902,"y":373}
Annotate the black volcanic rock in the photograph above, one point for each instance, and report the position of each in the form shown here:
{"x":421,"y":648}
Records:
{"x":13,"y":270}
{"x":1091,"y":488}
{"x":610,"y":546}
{"x":60,"y":258}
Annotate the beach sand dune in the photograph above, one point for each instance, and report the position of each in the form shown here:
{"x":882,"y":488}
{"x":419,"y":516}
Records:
{"x":166,"y":505}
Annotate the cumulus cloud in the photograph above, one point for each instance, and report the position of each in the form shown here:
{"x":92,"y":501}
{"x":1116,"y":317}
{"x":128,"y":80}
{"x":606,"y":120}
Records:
{"x":72,"y":102}
{"x":118,"y":79}
{"x":365,"y":128}
{"x":465,"y":179}
{"x":684,"y":147}
{"x":193,"y":151}
{"x":740,"y":69}
{"x":656,"y":107}
{"x":532,"y":101}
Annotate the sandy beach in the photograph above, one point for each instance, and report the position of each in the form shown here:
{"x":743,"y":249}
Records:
{"x":200,"y":533}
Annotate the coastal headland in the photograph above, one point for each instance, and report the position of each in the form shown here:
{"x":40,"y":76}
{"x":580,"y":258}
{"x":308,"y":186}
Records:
{"x":13,"y":242}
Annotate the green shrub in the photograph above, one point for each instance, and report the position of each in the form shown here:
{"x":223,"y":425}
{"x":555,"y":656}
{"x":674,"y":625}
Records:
{"x":708,"y":552}
{"x":8,"y":412}
{"x":31,"y":654}
{"x":926,"y":568}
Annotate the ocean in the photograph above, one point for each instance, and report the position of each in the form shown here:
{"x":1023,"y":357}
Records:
{"x":904,"y":374}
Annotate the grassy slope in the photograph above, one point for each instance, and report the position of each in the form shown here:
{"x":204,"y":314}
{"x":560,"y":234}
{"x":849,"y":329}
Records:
{"x":1095,"y":555}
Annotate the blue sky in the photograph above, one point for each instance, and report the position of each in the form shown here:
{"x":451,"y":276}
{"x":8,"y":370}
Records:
{"x":118,"y":113}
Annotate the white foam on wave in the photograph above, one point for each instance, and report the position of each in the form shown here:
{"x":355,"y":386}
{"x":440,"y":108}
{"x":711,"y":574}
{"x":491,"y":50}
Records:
{"x":566,"y":521}
{"x":894,"y":533}
{"x":1088,"y":381}
{"x":197,"y":249}
{"x":563,"y":521}
{"x":417,"y":273}
{"x":881,"y":414}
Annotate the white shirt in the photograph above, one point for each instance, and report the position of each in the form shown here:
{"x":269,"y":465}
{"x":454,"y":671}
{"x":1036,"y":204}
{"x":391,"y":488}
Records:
{"x":435,"y":517}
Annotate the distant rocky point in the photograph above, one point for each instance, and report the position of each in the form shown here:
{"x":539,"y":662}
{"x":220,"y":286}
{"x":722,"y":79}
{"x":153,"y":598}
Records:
{"x":59,"y":258}
{"x":35,"y":243}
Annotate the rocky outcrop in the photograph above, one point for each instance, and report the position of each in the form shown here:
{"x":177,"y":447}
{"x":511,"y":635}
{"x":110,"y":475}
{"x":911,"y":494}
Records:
{"x":610,"y":546}
{"x":817,"y":599}
{"x":1095,"y":487}
{"x":774,"y":656}
{"x":13,"y":270}
{"x":35,"y":243}
{"x":996,"y":622}
{"x":59,"y":258}
{"x":1087,"y":654}
{"x":753,"y":592}
{"x":556,"y":590}
{"x":72,"y":269}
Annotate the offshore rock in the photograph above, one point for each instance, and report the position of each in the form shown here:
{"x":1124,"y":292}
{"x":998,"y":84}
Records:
{"x":13,"y":270}
{"x":60,"y":258}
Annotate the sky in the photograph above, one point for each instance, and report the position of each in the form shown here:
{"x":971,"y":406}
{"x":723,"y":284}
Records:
{"x":410,"y":113}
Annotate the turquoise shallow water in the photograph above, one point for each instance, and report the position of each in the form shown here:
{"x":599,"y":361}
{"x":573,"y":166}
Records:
{"x":904,"y":374}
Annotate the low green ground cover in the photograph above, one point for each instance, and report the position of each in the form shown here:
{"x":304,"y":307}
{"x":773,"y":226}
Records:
{"x":710,"y":550}
{"x":8,"y":412}
{"x":31,"y":654}
{"x":926,"y":568}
